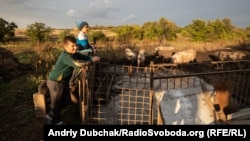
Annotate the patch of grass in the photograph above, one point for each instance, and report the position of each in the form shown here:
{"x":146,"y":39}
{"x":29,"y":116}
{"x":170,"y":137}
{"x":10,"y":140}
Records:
{"x":17,"y":91}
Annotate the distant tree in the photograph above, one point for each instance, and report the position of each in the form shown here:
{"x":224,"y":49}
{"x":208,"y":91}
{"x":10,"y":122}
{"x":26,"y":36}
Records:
{"x":198,"y":30}
{"x":137,"y":32}
{"x":248,"y":28}
{"x":6,"y":30}
{"x":38,"y":32}
{"x":167,"y":29}
{"x":124,"y":35}
{"x":228,"y":25}
{"x":248,"y":31}
{"x":150,"y":30}
{"x":201,"y":30}
{"x":124,"y":31}
{"x":221,"y":29}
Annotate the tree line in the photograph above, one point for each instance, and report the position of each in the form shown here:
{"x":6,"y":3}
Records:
{"x":164,"y":29}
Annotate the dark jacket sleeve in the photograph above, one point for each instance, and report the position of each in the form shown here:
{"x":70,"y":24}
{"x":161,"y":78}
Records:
{"x":77,"y":60}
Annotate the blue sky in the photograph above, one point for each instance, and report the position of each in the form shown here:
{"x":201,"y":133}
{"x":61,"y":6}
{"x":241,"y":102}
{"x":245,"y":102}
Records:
{"x":65,"y":13}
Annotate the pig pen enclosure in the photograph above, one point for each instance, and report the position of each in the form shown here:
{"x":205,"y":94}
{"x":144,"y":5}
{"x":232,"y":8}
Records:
{"x":194,"y":93}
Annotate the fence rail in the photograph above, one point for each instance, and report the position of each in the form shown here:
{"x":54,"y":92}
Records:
{"x":118,"y":94}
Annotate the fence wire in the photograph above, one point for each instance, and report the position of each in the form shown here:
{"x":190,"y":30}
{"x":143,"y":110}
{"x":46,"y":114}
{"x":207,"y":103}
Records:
{"x":124,"y":95}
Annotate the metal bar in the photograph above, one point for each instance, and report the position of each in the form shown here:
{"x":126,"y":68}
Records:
{"x":199,"y":74}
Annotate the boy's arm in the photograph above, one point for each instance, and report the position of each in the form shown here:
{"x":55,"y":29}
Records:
{"x":77,"y":60}
{"x":81,"y":63}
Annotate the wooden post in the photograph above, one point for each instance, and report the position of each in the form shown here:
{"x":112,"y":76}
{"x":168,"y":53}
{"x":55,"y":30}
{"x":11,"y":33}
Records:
{"x":40,"y":106}
{"x":152,"y":90}
{"x":39,"y":99}
{"x":80,"y":97}
{"x":82,"y":100}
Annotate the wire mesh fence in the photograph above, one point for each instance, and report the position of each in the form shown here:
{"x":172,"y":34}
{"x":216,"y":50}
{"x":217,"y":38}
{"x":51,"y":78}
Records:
{"x":125,"y":95}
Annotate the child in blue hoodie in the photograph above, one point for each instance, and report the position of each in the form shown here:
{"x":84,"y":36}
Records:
{"x":82,"y":39}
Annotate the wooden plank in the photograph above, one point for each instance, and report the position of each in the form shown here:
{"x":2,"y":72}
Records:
{"x":209,"y":102}
{"x":40,"y":105}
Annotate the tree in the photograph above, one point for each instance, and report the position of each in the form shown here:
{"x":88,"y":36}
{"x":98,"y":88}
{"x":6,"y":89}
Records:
{"x":150,"y":30}
{"x":6,"y":30}
{"x":248,"y":31}
{"x":124,"y":34}
{"x":38,"y":32}
{"x":198,"y":30}
{"x":167,"y":29}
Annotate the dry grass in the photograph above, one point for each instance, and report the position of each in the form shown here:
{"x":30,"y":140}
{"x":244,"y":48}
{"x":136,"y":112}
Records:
{"x":150,"y":45}
{"x":204,"y":46}
{"x":20,"y":32}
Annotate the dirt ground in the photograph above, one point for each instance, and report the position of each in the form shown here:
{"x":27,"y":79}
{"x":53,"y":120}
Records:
{"x":32,"y":129}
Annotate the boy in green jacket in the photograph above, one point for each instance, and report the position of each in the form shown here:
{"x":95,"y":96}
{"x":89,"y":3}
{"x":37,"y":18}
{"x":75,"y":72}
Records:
{"x":60,"y":75}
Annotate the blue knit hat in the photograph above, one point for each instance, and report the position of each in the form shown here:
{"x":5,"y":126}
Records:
{"x":81,"y":24}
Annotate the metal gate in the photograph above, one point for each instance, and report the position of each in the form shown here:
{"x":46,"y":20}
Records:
{"x":124,"y":95}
